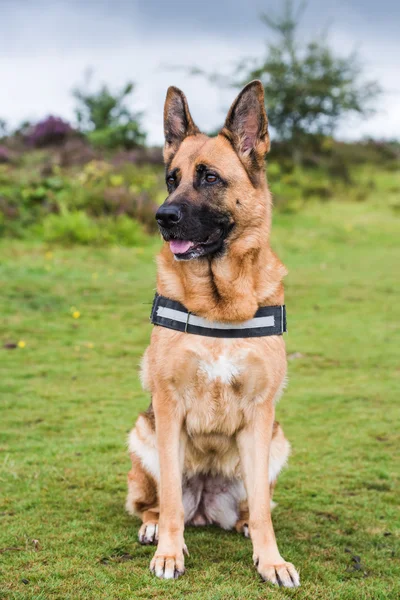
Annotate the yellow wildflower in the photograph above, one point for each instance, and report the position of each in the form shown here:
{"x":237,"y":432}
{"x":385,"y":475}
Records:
{"x":21,"y":344}
{"x":76,"y":314}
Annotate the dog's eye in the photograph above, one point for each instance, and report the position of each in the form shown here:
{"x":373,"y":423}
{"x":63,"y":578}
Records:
{"x":170,"y":180}
{"x":211,"y":178}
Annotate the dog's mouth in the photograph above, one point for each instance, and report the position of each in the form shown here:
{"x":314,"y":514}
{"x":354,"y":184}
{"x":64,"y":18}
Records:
{"x":184,"y":249}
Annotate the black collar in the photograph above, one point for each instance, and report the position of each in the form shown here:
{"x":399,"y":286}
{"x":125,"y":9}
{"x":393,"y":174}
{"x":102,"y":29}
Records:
{"x":268,"y":320}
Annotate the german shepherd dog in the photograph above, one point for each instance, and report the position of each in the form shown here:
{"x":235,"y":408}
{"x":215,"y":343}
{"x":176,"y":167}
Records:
{"x":208,"y":450}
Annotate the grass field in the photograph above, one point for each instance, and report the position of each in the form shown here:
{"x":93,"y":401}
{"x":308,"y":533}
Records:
{"x":70,"y":392}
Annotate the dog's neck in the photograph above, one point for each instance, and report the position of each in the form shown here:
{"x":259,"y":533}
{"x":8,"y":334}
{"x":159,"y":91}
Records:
{"x":227,"y":288}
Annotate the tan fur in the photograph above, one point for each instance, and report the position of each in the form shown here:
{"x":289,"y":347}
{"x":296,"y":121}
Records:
{"x":250,"y":274}
{"x":214,"y":454}
{"x":213,"y":400}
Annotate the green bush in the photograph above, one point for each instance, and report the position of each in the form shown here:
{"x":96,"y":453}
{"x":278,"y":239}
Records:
{"x":126,"y":136}
{"x":76,"y":227}
{"x":70,"y":227}
{"x":105,"y":117}
{"x":98,"y":190}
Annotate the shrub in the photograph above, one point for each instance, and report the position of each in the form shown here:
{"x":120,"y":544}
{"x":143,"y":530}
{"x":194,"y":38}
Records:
{"x":51,"y":131}
{"x":125,"y":231}
{"x":98,"y":189}
{"x":106,"y":117}
{"x":139,"y":156}
{"x":70,"y":227}
{"x":5,"y":154}
{"x":76,"y":227}
{"x":126,"y":136}
{"x":134,"y":191}
{"x":76,"y":151}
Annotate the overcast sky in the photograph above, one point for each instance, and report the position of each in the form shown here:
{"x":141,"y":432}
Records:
{"x":46,"y":46}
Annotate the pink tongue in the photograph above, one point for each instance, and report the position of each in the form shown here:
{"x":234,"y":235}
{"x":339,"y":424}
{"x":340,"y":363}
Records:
{"x":180,"y":246}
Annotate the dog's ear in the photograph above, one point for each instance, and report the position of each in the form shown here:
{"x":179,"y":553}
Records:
{"x":178,"y":122}
{"x":246,"y":126}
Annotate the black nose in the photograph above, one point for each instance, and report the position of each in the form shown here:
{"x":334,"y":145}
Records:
{"x":168,"y":215}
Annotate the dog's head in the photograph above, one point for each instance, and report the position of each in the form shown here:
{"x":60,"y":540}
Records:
{"x":215,"y":185}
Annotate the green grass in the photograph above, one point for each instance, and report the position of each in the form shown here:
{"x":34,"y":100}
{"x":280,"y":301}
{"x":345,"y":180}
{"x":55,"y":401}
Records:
{"x":71,"y":394}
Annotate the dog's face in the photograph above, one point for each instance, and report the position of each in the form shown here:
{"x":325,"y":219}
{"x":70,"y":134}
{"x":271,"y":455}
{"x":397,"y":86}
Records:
{"x":213,"y":183}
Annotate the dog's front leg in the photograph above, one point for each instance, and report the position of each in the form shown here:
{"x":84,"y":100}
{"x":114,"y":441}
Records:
{"x":254,"y":447}
{"x":168,"y":561}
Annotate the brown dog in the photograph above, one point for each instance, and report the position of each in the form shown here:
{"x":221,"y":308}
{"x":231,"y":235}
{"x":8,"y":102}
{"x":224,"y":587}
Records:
{"x":208,"y":450}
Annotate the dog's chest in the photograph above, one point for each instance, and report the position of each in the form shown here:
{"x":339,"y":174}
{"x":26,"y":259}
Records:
{"x":223,"y":369}
{"x":216,"y":388}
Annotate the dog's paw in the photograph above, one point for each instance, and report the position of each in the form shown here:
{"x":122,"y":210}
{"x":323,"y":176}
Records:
{"x":283,"y":574}
{"x":243,"y":527}
{"x":246,"y":531}
{"x":168,"y":567}
{"x":148,"y":534}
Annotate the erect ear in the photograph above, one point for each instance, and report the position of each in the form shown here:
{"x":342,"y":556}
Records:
{"x":178,"y":122}
{"x":246,"y":126}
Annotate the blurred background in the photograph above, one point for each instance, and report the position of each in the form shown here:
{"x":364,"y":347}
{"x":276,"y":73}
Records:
{"x":84,"y":84}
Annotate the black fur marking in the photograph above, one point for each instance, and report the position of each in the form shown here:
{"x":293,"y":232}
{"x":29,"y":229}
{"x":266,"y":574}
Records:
{"x":203,"y":224}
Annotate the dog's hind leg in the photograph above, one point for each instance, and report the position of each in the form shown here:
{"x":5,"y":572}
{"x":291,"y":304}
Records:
{"x":242,"y":524}
{"x":142,"y":501}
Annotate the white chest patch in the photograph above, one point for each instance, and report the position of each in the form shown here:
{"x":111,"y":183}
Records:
{"x":224,"y":369}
